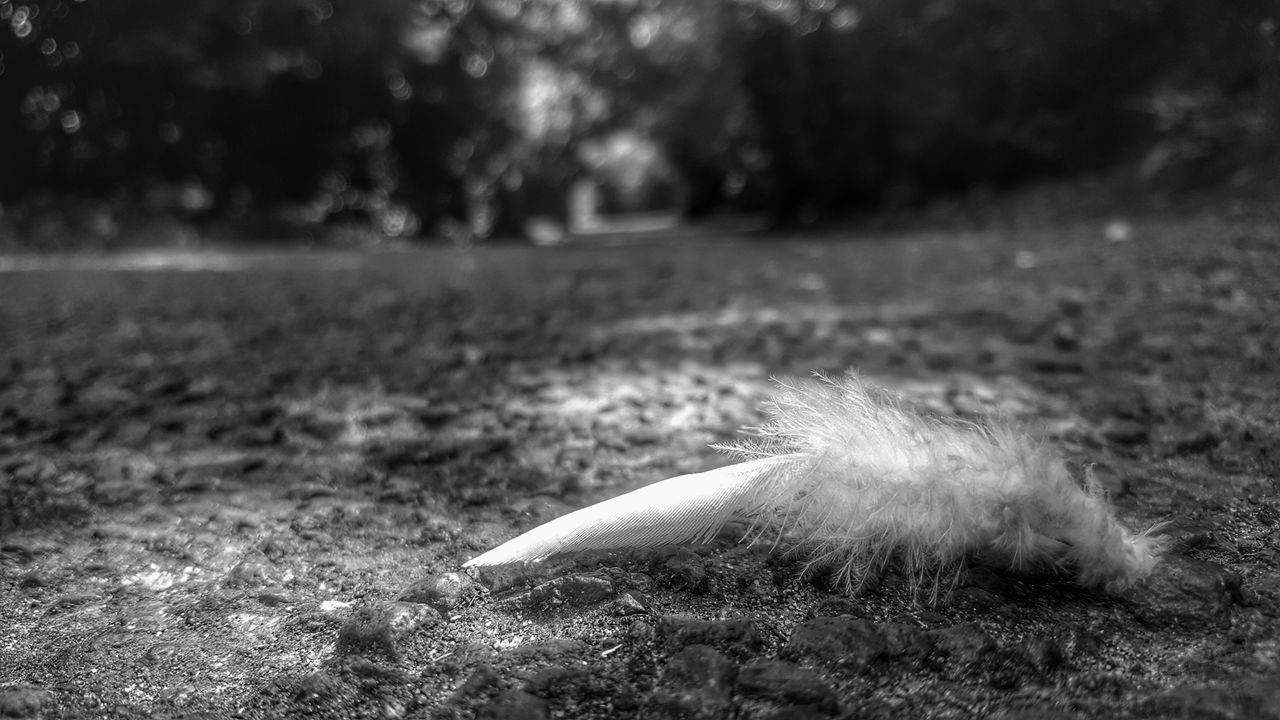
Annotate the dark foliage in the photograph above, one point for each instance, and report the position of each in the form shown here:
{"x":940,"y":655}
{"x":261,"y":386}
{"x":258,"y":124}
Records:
{"x":407,"y":113}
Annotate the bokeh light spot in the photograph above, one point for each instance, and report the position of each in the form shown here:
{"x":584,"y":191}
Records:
{"x":170,"y":133}
{"x":476,"y":66}
{"x":643,"y":30}
{"x":71,"y":122}
{"x":845,"y":18}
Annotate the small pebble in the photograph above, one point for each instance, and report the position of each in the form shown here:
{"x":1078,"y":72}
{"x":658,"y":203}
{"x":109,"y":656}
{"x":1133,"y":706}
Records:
{"x":839,"y":640}
{"x":786,"y":682}
{"x":63,"y":602}
{"x":571,"y":591}
{"x":1186,"y":591}
{"x":697,"y":683}
{"x":32,"y":580}
{"x":699,"y":666}
{"x":406,"y":618}
{"x":23,"y":701}
{"x":444,"y":592}
{"x":515,"y":705}
{"x":367,"y":633}
{"x":734,"y":636}
{"x":317,"y":685}
{"x":632,"y":603}
{"x":967,"y":642}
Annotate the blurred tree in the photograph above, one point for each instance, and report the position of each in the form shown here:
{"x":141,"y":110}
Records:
{"x":261,"y":102}
{"x":869,"y":101}
{"x":673,"y":71}
{"x":480,"y":114}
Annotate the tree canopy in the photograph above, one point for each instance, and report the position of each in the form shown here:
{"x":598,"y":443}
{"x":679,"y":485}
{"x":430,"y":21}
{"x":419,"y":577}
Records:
{"x":481,"y":113}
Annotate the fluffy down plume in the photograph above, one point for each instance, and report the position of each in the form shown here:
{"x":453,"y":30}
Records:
{"x":847,"y":474}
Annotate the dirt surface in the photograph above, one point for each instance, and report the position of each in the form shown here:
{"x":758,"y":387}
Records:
{"x":241,"y":485}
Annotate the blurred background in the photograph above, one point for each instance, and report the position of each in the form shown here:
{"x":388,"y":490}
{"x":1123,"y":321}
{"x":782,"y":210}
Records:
{"x":533,"y":119}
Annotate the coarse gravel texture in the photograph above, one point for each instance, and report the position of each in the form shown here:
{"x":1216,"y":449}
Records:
{"x":242,"y":484}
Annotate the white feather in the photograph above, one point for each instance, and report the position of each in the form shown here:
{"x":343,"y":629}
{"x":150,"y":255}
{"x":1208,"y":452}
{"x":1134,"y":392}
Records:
{"x":850,"y":475}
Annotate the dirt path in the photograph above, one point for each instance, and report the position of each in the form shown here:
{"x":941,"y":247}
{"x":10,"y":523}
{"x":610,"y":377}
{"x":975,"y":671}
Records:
{"x":240,"y":487}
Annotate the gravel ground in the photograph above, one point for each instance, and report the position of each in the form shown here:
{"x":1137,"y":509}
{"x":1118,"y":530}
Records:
{"x":243,"y":484}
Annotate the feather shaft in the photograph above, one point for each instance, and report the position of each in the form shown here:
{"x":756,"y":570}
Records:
{"x":687,"y":508}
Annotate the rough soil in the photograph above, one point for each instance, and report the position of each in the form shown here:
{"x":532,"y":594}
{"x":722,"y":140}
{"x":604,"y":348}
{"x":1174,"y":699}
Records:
{"x":241,"y":490}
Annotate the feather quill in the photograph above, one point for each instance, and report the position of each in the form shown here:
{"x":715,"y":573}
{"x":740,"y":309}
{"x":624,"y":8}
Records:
{"x":848,"y":474}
